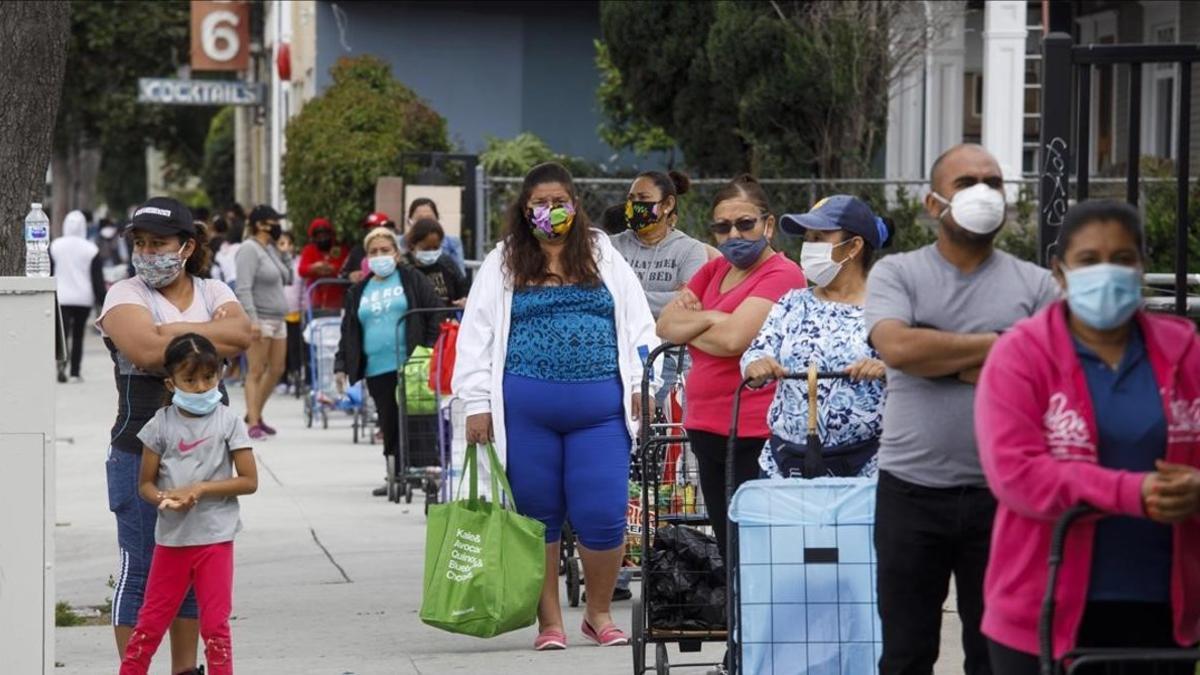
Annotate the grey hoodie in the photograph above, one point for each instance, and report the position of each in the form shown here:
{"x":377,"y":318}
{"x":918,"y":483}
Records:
{"x":664,"y":268}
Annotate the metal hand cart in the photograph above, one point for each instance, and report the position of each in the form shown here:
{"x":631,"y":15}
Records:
{"x":322,"y":330}
{"x":666,"y":497}
{"x":423,"y":439}
{"x":1150,"y":659}
{"x":811,"y":566}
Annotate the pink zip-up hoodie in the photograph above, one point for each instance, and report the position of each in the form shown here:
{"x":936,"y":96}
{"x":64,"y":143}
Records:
{"x":1037,"y":442}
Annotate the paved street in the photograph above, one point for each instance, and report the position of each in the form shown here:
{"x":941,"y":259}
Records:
{"x":328,"y":578}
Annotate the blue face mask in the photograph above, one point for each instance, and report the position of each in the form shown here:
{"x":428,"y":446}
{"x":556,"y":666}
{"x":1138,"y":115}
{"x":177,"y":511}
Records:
{"x":1104,"y":296}
{"x":198,"y":404}
{"x":382,"y":266}
{"x":742,"y":253}
{"x":428,"y":258}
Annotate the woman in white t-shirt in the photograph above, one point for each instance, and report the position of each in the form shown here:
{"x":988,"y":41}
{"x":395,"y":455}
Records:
{"x":168,"y":297}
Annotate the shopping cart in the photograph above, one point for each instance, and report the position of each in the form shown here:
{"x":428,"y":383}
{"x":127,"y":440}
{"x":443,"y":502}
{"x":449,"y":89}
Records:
{"x":802,"y":562}
{"x":322,"y":331}
{"x":677,"y":602}
{"x":423,"y":439}
{"x":1150,"y":659}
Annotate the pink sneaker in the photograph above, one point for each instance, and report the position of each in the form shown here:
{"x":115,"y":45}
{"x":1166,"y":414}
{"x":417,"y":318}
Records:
{"x":267,"y":428}
{"x":258,"y":433}
{"x":550,"y":640}
{"x":609,"y":636}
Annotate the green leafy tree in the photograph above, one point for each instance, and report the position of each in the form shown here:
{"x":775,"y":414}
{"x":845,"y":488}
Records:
{"x":791,"y":88}
{"x":660,"y":52}
{"x":101,"y":130}
{"x":217,"y":171}
{"x":345,"y":139}
{"x":622,"y":128}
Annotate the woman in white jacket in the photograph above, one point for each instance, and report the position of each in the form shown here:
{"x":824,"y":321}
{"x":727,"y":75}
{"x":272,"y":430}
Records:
{"x":549,"y":366}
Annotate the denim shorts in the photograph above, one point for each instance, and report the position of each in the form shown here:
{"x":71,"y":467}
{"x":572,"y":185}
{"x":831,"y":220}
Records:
{"x":135,"y":538}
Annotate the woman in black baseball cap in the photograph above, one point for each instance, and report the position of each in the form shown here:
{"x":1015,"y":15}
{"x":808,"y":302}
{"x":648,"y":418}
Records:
{"x":169,"y":296}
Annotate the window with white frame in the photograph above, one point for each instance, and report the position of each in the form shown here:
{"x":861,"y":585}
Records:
{"x":1101,"y":28}
{"x":1160,"y":83}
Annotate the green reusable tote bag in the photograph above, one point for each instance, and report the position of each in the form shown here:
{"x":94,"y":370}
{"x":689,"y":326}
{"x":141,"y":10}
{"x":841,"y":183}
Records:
{"x":484,"y":563}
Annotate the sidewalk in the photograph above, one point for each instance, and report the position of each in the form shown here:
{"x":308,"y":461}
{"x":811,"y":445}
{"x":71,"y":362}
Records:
{"x":328,"y":578}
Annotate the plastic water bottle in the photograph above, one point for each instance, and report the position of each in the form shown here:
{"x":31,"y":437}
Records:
{"x":37,"y":242}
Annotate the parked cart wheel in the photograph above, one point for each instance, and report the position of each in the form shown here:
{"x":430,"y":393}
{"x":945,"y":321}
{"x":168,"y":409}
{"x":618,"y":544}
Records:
{"x":662,"y":664}
{"x":574,"y":581}
{"x":355,"y":429}
{"x":638,"y":638}
{"x":393,"y":486}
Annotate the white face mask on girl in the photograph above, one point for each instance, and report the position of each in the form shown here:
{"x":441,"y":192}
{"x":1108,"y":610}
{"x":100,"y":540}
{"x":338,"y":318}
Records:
{"x":978,"y":209}
{"x":816,"y":260}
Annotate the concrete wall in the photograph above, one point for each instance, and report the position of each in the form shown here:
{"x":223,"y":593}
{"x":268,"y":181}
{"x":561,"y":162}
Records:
{"x":490,"y":68}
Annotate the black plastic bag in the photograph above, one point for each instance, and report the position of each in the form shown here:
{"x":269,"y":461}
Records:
{"x":685,"y":581}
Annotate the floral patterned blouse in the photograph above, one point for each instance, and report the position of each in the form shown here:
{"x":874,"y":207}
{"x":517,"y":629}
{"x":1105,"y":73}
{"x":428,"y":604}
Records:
{"x":801,"y":329}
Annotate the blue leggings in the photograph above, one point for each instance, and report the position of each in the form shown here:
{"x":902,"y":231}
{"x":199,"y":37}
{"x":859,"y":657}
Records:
{"x":568,"y":456}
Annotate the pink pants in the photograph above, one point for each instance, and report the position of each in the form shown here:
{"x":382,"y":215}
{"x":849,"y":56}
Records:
{"x":209,"y":569}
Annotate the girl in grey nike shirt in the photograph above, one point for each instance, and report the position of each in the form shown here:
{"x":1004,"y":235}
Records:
{"x":190,"y":451}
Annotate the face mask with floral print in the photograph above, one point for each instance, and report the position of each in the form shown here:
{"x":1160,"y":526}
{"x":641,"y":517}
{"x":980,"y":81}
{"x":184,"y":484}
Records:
{"x":158,"y":269}
{"x":551,"y":222}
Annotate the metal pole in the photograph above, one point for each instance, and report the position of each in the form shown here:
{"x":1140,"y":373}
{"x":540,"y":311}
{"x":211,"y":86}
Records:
{"x":1134,"y":159}
{"x":1083,"y":139}
{"x":1182,"y":156}
{"x":481,"y":224}
{"x":1056,"y":129}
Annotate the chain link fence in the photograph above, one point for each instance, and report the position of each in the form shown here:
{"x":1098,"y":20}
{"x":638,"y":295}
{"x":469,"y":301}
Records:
{"x":899,"y":200}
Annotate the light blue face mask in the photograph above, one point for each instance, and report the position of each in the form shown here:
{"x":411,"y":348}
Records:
{"x":1104,"y":296}
{"x":198,"y":404}
{"x":382,"y":266}
{"x":427,"y":258}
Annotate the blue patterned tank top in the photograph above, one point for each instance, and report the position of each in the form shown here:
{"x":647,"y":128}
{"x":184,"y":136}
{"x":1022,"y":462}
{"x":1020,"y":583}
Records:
{"x":563,"y":334}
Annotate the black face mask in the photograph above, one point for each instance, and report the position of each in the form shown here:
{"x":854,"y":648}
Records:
{"x":276,"y":230}
{"x":324,"y":244}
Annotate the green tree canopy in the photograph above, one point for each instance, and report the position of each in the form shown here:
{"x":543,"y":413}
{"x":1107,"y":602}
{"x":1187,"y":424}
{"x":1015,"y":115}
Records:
{"x":111,"y":45}
{"x":661,"y":53}
{"x":346,"y":138}
{"x":785,"y":87}
{"x":218,"y":169}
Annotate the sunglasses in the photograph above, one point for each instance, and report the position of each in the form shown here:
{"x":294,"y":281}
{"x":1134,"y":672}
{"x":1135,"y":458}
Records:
{"x":742,"y":224}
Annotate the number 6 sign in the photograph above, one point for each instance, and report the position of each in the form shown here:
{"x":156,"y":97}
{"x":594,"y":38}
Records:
{"x":220,"y":35}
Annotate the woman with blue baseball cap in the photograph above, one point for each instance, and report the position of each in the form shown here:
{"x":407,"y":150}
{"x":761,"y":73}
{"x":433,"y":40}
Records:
{"x":824,"y":324}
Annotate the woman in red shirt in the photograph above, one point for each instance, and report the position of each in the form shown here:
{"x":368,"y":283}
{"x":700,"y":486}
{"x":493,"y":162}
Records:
{"x":717,"y":315}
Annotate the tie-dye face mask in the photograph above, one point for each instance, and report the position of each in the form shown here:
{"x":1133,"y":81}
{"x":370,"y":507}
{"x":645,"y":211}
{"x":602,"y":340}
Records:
{"x":551,"y":222}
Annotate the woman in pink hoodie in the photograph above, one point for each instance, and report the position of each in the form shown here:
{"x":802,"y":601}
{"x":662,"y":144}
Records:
{"x":1094,"y":401}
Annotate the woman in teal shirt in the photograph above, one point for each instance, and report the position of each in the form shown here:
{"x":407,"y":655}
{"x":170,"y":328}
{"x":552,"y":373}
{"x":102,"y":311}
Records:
{"x":370,"y":344}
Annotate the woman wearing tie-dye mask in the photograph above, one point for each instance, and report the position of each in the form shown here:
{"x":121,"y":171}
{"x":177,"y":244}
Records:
{"x":549,"y":366}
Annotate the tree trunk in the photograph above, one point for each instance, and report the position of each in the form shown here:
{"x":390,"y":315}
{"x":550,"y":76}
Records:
{"x":74,"y":175}
{"x":33,"y":53}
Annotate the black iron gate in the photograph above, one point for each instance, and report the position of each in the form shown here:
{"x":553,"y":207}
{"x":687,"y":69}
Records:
{"x":1067,"y":96}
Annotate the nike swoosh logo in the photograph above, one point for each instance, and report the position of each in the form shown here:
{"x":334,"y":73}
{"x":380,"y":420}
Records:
{"x":188,"y":447}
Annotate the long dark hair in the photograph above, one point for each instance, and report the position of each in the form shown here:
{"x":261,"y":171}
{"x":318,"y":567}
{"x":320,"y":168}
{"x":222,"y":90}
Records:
{"x":523,"y":256}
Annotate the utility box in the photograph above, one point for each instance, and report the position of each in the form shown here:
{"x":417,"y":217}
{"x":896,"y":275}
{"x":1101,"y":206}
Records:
{"x":27,"y":495}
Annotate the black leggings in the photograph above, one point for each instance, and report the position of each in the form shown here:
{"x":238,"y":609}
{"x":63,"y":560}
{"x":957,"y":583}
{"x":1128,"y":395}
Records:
{"x":75,"y":319}
{"x":383,"y":392}
{"x":711,"y":451}
{"x":1137,"y":625}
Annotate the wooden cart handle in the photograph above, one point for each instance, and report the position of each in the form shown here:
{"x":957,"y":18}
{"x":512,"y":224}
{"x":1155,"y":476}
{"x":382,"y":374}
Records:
{"x":812,"y":398}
